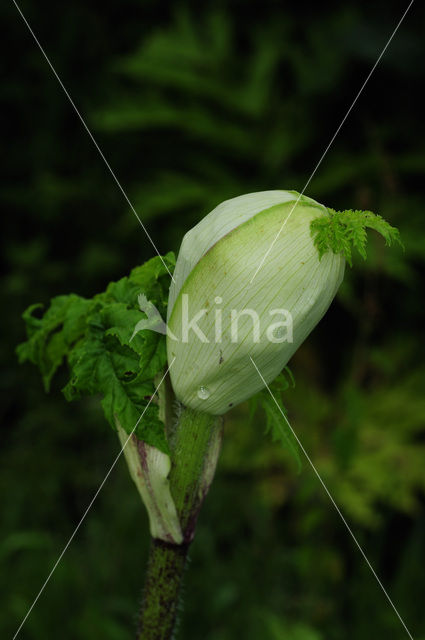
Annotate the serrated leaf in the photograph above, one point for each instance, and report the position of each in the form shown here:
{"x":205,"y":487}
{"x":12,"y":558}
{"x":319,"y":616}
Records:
{"x":51,"y":337}
{"x":342,"y":230}
{"x":95,"y":338}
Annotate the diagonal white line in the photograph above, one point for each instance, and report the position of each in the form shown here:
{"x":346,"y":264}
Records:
{"x":332,"y":140}
{"x":333,"y":502}
{"x":89,"y":506}
{"x":83,"y":122}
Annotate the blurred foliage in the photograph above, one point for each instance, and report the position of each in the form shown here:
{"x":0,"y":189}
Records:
{"x":192,"y":104}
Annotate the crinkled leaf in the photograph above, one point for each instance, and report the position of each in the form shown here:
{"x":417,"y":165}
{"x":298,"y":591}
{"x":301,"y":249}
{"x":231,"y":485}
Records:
{"x":342,"y":230}
{"x":95,"y":338}
{"x":51,"y":337}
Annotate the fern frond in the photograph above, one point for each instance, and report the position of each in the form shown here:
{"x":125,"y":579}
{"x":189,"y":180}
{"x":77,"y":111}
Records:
{"x":342,"y":231}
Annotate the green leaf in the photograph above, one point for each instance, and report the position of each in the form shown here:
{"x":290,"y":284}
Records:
{"x":51,"y":337}
{"x":342,"y":230}
{"x":94,"y":337}
{"x":275,"y":414}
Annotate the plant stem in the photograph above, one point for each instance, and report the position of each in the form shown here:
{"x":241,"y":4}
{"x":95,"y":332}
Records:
{"x":195,"y":448}
{"x":164,"y":576}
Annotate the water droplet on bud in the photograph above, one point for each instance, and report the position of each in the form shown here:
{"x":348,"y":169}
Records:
{"x":203,"y":393}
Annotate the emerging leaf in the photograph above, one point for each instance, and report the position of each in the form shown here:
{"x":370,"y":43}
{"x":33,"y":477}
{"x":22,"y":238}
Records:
{"x":95,"y":338}
{"x":342,"y":230}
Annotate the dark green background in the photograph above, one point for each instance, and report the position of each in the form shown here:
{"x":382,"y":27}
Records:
{"x":193,"y":103}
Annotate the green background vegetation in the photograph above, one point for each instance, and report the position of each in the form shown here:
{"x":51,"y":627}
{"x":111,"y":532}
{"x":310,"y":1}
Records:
{"x":194,"y":103}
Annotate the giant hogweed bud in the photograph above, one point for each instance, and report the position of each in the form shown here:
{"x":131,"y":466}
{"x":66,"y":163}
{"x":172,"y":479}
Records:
{"x":220,"y":315}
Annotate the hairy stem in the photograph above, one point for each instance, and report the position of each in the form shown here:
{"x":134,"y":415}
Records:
{"x":161,"y":594}
{"x":195,"y":449}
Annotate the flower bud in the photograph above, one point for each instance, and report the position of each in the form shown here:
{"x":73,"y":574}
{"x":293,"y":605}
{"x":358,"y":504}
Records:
{"x":248,"y":284}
